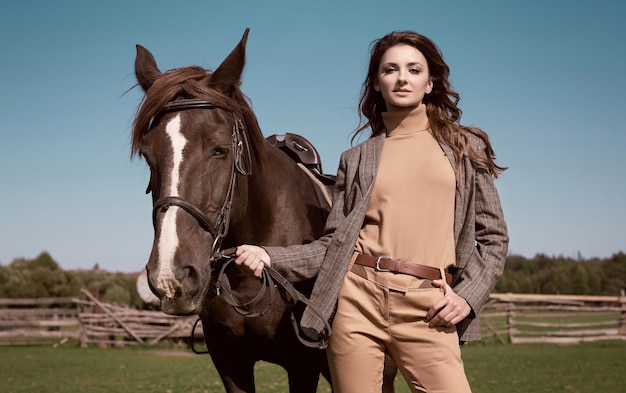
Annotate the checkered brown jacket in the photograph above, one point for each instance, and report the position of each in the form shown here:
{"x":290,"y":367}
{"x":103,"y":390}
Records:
{"x":480,"y":235}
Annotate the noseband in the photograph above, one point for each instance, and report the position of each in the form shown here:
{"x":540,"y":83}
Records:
{"x":219,"y":229}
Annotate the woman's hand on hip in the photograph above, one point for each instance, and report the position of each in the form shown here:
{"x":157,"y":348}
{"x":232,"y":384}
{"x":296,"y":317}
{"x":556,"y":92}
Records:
{"x":448,"y":311}
{"x":254,"y":257}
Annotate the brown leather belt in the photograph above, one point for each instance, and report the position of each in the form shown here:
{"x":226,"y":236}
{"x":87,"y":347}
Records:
{"x":386,"y":264}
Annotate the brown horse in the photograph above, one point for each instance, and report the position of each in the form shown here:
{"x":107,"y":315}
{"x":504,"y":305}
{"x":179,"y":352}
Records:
{"x":216,"y":183}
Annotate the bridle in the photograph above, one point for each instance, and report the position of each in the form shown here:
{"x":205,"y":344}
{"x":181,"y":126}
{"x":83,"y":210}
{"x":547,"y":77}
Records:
{"x":270,"y":278}
{"x":241,"y":165}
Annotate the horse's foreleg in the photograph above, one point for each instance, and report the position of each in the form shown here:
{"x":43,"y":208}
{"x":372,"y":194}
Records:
{"x":303,"y":382}
{"x":389,"y":375}
{"x":304,"y":368}
{"x":237,"y":377}
{"x":230,"y":359}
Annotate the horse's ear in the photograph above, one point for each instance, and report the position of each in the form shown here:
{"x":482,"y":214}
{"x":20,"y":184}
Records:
{"x":228,"y":74}
{"x":146,"y":69}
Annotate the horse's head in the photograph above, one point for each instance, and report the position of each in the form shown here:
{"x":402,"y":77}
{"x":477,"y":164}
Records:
{"x":191,"y":128}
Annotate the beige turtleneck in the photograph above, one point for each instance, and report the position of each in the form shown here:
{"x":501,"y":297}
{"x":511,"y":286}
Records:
{"x":411,"y":211}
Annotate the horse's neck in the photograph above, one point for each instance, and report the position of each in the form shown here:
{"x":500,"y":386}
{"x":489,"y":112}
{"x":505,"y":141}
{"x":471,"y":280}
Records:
{"x":283,"y":186}
{"x":281,"y":205}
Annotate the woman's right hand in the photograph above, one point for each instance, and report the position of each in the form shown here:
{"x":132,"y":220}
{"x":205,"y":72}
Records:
{"x":254,"y":257}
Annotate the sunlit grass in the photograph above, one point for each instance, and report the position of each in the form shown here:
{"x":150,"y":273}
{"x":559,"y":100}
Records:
{"x":491,"y":368}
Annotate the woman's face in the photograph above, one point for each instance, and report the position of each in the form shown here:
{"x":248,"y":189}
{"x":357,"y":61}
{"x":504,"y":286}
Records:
{"x":403,"y":77}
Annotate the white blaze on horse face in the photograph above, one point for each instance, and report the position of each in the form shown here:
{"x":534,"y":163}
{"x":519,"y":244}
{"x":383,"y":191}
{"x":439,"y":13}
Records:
{"x":168,"y":238}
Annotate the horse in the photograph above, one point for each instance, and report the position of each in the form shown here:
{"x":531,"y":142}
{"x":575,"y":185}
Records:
{"x":216,"y":182}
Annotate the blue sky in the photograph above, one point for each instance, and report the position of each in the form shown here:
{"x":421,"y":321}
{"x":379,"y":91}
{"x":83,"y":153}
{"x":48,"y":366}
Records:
{"x":545,"y":79}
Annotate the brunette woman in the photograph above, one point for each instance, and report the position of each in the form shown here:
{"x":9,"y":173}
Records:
{"x":416,"y":237}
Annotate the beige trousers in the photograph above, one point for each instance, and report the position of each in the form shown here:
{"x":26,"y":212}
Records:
{"x":372,"y":319}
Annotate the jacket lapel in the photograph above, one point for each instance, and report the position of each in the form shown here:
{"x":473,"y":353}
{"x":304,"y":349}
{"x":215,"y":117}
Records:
{"x":370,"y":159}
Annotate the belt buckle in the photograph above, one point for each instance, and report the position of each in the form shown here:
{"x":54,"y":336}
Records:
{"x":377,"y":266}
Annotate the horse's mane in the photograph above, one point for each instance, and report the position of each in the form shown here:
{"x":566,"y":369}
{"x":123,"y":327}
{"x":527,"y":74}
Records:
{"x":193,"y":82}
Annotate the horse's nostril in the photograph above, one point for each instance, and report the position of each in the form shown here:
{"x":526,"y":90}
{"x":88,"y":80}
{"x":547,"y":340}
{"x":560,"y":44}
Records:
{"x":190,"y":272}
{"x":190,"y":278}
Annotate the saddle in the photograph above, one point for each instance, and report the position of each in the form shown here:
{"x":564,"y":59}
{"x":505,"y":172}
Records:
{"x":308,"y":159}
{"x":302,"y":151}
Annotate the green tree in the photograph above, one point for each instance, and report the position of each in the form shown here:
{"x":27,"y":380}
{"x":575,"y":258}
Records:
{"x":37,"y":278}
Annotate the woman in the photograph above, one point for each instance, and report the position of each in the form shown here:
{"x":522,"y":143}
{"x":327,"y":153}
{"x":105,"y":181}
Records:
{"x":416,"y":237}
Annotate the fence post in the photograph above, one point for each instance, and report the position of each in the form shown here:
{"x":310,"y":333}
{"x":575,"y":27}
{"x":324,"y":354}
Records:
{"x":622,"y":317}
{"x":510,"y":314}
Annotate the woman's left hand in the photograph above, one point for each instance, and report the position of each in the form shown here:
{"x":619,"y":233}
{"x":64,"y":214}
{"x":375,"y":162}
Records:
{"x":448,"y":311}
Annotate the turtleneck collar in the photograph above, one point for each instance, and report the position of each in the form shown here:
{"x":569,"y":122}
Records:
{"x":406,"y":121}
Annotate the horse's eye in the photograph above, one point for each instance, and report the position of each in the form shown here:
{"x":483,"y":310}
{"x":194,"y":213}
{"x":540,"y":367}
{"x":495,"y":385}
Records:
{"x":219,"y":152}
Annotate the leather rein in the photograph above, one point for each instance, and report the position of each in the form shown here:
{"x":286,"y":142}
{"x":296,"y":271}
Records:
{"x":270,"y":278}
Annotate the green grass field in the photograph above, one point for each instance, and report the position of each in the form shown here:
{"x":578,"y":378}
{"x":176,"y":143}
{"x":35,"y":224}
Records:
{"x":491,"y":368}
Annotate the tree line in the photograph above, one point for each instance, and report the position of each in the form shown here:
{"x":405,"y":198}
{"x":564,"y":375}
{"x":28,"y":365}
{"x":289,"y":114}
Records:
{"x":42,"y":277}
{"x":566,"y":276}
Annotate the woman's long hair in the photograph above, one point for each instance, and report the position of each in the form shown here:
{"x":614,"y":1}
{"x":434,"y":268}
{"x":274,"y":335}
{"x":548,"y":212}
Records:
{"x":441,"y":103}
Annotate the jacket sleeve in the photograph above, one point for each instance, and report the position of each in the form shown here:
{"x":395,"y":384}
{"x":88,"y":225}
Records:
{"x":484,"y":242}
{"x":303,"y":261}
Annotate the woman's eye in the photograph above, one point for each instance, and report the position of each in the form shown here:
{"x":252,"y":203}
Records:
{"x":388,"y":70}
{"x":415,"y":70}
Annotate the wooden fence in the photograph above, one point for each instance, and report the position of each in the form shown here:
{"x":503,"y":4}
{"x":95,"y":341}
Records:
{"x":509,"y":318}
{"x":27,"y":321}
{"x":33,"y":321}
{"x":562,"y":319}
{"x":106,"y":324}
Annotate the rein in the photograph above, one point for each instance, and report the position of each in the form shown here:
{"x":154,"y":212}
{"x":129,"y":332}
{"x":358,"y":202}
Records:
{"x":274,"y":281}
{"x":270,"y":278}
